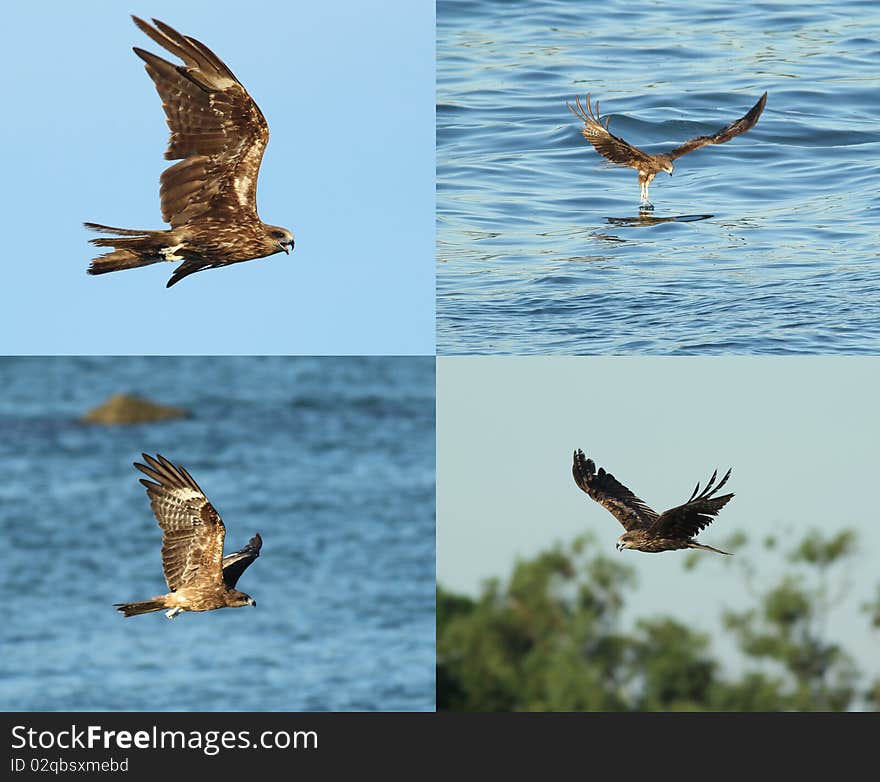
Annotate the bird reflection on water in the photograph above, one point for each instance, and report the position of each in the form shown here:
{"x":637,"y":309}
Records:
{"x":644,"y":219}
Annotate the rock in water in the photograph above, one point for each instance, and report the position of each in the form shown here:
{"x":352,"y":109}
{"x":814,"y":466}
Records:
{"x":122,"y":409}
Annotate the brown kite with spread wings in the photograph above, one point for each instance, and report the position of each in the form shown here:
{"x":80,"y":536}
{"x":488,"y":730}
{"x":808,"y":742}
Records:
{"x":210,"y":197}
{"x":623,"y":153}
{"x":645,"y":529}
{"x":199,"y":576}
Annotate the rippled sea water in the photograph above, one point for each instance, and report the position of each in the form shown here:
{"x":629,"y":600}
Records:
{"x":541,"y":245}
{"x":331,"y":460}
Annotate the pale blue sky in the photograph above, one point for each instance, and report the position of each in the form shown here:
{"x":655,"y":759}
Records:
{"x":801,"y":435}
{"x":348,"y":91}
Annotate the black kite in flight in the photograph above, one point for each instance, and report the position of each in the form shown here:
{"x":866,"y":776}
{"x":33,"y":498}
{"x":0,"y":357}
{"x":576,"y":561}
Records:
{"x":199,"y":576}
{"x":210,"y":197}
{"x":622,"y":152}
{"x":645,"y":530}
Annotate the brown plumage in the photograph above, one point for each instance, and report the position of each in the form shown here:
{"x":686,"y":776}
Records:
{"x":645,"y":529}
{"x":199,"y":576}
{"x":210,"y":197}
{"x":623,"y":153}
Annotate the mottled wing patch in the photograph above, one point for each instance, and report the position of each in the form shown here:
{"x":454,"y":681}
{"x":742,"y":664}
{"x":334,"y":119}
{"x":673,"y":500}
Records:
{"x":217,"y":131}
{"x":193,"y":532}
{"x":605,"y":489}
{"x":604,"y":141}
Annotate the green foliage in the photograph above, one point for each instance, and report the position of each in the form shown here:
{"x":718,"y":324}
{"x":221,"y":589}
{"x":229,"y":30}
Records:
{"x":823,"y":552}
{"x":755,"y":691}
{"x":873,"y":610}
{"x":785,"y":630}
{"x":675,"y":670}
{"x":545,"y":643}
{"x":550,"y":639}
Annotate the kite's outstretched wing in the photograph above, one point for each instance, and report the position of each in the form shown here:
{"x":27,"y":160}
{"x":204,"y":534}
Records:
{"x":192,"y":531}
{"x":217,"y":131}
{"x":605,"y":489}
{"x":725,"y":134}
{"x":685,"y":521}
{"x":236,"y":563}
{"x":606,"y":143}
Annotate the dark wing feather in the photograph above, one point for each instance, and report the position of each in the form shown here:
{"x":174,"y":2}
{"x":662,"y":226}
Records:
{"x":217,"y":131}
{"x":192,"y":531}
{"x":605,"y":489}
{"x":605,"y":142}
{"x":187,"y":268}
{"x":685,"y":521}
{"x":725,"y":134}
{"x":236,"y":563}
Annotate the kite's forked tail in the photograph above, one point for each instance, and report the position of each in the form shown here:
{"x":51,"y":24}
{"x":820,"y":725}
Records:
{"x":143,"y":607}
{"x":133,"y":249}
{"x":693,"y":544}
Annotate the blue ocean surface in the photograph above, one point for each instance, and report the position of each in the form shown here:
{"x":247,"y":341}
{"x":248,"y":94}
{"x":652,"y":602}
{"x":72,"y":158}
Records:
{"x":769,"y":243}
{"x":331,"y":460}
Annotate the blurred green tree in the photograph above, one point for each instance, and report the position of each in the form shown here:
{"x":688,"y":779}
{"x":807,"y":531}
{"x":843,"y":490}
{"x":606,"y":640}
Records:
{"x":788,"y":628}
{"x":550,"y":639}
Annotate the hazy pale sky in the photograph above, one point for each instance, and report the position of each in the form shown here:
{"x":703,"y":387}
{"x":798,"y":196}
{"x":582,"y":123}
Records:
{"x":801,"y":435}
{"x":348,"y":92}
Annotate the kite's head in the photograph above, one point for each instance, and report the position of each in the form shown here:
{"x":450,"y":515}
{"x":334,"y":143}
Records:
{"x":668,"y":167}
{"x":279,"y":238}
{"x":625,"y":541}
{"x":240,"y":599}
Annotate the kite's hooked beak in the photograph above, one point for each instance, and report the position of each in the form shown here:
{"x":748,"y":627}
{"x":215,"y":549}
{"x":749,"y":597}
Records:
{"x":252,"y":602}
{"x":286,"y":246}
{"x":618,"y":546}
